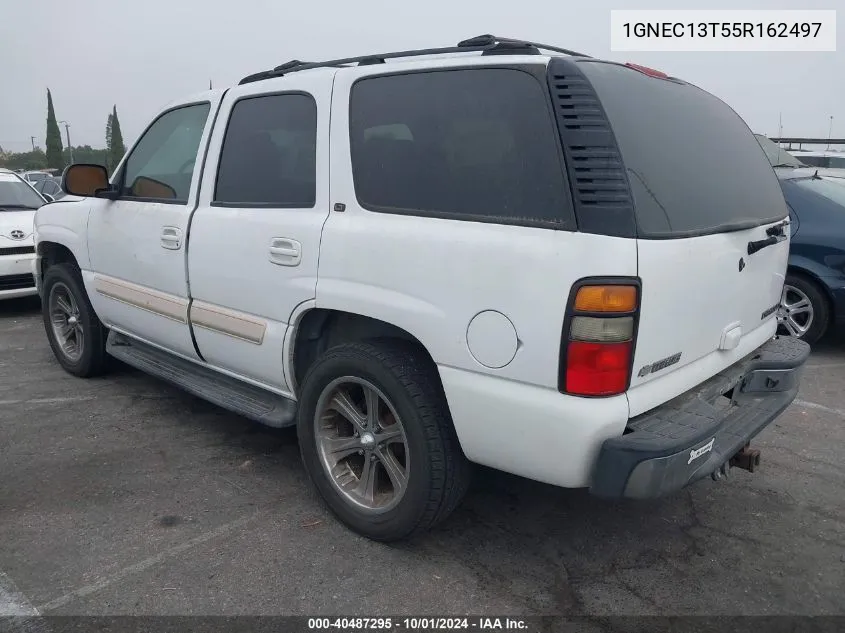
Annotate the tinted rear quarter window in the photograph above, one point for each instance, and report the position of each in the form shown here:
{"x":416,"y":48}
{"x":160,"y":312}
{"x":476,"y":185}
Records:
{"x":693,"y":165}
{"x":477,"y":144}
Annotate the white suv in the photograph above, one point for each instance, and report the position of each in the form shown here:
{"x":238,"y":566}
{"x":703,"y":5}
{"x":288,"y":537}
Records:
{"x":481,"y":253}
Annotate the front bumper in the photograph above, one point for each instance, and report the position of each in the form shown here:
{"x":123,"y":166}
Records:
{"x":16,"y":279}
{"x":692,"y":436}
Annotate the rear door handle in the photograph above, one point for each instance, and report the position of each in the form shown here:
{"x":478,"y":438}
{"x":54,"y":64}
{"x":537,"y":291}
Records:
{"x":285,"y":251}
{"x":171,"y":238}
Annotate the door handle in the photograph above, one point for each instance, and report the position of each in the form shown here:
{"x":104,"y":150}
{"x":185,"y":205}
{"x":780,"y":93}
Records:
{"x":285,"y":251}
{"x":171,"y":238}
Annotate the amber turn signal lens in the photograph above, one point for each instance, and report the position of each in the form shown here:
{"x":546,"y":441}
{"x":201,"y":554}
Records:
{"x":606,"y":299}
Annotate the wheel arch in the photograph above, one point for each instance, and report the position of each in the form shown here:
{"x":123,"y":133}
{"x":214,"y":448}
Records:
{"x":317,"y":329}
{"x":813,"y":277}
{"x":50,"y":253}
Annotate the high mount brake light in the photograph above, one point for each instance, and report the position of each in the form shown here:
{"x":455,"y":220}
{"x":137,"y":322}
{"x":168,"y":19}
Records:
{"x":651,"y":72}
{"x":598,"y":340}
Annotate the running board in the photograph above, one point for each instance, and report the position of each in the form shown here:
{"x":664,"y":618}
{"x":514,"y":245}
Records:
{"x":251,"y":402}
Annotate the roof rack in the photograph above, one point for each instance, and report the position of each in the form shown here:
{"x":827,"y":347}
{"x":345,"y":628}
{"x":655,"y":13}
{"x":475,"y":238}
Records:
{"x":485,"y":44}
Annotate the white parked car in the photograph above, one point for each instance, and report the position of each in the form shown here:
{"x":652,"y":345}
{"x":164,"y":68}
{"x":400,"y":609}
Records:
{"x":35,"y":176}
{"x":485,"y":257}
{"x":18,"y":202}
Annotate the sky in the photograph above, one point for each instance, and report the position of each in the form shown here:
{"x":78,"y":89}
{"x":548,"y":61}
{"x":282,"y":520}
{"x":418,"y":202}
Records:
{"x":140,"y":55}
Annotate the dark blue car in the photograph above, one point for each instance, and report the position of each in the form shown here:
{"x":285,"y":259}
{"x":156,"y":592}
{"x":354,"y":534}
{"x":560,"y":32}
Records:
{"x":814,"y":293}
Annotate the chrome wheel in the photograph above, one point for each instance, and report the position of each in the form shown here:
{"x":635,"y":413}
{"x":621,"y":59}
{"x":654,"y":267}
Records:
{"x":795,"y":314}
{"x":66,"y":322}
{"x":362,"y":444}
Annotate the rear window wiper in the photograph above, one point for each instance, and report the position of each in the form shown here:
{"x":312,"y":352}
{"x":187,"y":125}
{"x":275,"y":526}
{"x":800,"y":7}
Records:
{"x":776,"y":233}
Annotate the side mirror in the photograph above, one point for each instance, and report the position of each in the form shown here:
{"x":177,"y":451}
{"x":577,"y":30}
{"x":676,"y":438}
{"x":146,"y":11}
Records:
{"x":87,"y":181}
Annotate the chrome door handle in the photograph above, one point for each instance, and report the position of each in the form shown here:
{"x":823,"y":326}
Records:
{"x":171,"y":238}
{"x":285,"y":251}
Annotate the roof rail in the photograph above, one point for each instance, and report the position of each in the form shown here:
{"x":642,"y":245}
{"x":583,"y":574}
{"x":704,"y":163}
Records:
{"x":485,"y":44}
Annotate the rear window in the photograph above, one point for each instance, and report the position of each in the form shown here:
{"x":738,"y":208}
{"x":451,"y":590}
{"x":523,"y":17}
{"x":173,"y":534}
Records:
{"x":693,"y":164}
{"x":477,"y":144}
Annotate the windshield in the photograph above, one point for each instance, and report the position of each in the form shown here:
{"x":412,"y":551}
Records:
{"x":777,"y":156}
{"x":16,"y":194}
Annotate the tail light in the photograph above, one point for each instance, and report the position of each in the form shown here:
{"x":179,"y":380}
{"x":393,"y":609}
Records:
{"x":598,"y":337}
{"x":651,"y":72}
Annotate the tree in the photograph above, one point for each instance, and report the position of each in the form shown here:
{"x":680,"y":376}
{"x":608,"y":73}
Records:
{"x":114,"y":139}
{"x":108,"y":141}
{"x":108,"y":132}
{"x":55,"y":159}
{"x":24,"y":160}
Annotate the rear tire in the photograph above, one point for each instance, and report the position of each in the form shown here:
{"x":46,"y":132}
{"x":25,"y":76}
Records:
{"x":804,"y":310}
{"x":408,"y":447}
{"x":76,"y":336}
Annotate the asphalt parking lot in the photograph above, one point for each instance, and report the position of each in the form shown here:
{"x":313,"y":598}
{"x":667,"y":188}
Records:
{"x":122,"y":495}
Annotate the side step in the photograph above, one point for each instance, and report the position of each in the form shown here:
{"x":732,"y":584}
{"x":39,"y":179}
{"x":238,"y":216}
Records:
{"x":232,"y":394}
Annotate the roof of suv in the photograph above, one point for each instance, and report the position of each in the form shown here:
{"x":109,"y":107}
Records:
{"x":482,"y":44}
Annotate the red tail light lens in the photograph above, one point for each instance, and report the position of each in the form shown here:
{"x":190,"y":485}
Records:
{"x":598,"y":339}
{"x":651,"y":72}
{"x":597,"y":369}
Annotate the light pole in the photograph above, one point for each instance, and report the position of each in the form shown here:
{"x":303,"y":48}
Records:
{"x":829,"y":132}
{"x":69,"y":146}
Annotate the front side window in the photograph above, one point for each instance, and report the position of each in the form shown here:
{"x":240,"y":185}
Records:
{"x":269,"y":154}
{"x":476,"y":144}
{"x":162,"y":164}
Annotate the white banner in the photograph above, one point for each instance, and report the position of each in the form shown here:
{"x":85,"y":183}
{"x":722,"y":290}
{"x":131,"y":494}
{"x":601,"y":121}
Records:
{"x":723,"y":30}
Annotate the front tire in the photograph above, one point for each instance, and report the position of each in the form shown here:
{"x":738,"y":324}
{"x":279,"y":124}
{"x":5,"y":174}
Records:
{"x":804,"y":310}
{"x":76,"y":336}
{"x":377,"y":439}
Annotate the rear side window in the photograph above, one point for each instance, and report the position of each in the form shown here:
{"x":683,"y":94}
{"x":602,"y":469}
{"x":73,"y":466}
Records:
{"x":269,"y":155}
{"x":476,"y":144}
{"x":693,"y":165}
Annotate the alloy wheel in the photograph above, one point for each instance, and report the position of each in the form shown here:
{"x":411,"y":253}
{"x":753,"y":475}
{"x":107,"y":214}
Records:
{"x":795,"y":313}
{"x":362,"y":444}
{"x":66,"y":322}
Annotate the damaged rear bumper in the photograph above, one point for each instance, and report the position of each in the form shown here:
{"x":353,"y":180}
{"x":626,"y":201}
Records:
{"x":697,"y":433}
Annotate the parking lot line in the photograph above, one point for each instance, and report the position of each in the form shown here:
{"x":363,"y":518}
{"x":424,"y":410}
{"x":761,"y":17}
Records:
{"x":820,"y":407}
{"x":140,"y":566}
{"x":48,"y":400}
{"x":12,"y":601}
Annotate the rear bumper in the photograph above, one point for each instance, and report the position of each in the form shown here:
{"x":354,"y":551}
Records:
{"x":693,"y":435}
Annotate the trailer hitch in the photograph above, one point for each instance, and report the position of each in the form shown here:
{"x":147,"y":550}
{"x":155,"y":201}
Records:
{"x":747,"y":459}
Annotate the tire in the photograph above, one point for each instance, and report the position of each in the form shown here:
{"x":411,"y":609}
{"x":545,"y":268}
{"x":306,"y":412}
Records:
{"x":409,"y":391}
{"x":88,"y":359}
{"x":793,"y":323}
